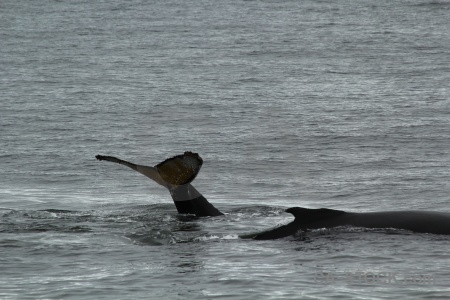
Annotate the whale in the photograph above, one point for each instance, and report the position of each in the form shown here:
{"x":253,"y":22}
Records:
{"x":176,"y":174}
{"x":306,"y":219}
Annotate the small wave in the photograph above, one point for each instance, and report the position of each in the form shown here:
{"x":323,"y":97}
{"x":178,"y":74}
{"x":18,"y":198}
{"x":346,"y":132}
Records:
{"x":216,"y":237}
{"x":152,"y":238}
{"x":57,"y":211}
{"x":258,"y":211}
{"x":432,"y":4}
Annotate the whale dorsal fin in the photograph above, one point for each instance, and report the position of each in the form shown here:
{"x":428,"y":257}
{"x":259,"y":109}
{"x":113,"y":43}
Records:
{"x":304,"y":215}
{"x":180,"y":169}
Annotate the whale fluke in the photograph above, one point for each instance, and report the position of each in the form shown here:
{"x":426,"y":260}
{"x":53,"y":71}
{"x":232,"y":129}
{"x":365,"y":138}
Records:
{"x":180,"y":169}
{"x":176,"y":174}
{"x":175,"y":171}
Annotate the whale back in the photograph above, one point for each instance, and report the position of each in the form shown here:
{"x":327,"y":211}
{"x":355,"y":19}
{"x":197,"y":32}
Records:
{"x":306,"y":216}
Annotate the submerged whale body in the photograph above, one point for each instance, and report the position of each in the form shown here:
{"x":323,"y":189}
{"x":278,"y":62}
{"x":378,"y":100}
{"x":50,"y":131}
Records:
{"x":177,"y":173}
{"x":305,"y":218}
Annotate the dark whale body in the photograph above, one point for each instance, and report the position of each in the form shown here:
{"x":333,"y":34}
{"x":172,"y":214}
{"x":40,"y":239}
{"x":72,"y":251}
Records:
{"x":416,"y":221}
{"x":177,"y":173}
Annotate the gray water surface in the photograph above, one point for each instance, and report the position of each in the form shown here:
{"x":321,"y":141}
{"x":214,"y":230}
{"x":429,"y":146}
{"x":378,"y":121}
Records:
{"x":337,"y":104}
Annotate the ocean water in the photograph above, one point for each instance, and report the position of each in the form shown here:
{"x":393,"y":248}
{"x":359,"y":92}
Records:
{"x":338,"y":104}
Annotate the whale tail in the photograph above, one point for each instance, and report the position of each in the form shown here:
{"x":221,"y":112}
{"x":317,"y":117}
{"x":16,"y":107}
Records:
{"x":176,"y":174}
{"x":181,"y":169}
